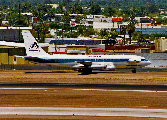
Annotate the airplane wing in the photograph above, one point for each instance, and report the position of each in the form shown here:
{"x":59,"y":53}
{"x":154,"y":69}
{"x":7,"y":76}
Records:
{"x":87,"y":65}
{"x":31,"y":58}
{"x":83,"y":64}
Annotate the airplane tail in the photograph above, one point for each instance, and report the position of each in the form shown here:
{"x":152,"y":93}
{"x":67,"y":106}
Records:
{"x":31,"y":45}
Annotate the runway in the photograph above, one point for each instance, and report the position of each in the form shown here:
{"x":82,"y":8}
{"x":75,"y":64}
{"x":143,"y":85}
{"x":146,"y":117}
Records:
{"x":69,"y":95}
{"x":132,"y":112}
{"x":99,"y":101}
{"x":81,"y":85}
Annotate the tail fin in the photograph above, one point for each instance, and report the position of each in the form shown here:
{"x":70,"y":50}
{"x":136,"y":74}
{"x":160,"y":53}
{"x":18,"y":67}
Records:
{"x":32,"y":47}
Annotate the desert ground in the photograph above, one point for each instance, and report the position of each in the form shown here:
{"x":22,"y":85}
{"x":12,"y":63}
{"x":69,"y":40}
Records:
{"x":103,"y":77}
{"x":76,"y":97}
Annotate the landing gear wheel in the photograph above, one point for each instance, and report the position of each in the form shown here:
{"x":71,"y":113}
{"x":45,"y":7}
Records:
{"x":85,"y":70}
{"x":134,"y":71}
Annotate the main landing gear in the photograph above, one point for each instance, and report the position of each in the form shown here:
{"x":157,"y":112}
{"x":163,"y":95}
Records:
{"x":85,"y":70}
{"x":134,"y":71}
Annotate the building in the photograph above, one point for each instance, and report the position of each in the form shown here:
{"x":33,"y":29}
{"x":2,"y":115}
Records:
{"x":66,"y":46}
{"x":79,"y":49}
{"x":142,"y":50}
{"x":161,"y":45}
{"x":11,"y":52}
{"x":12,"y":34}
{"x":8,"y":55}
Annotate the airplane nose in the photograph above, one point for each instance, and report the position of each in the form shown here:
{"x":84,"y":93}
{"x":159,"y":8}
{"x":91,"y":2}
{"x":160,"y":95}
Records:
{"x":148,"y":62}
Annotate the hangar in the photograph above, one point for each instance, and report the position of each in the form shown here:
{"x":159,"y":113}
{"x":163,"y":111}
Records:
{"x":11,"y":52}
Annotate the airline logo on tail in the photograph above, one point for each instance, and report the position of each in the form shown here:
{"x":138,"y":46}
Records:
{"x":34,"y":47}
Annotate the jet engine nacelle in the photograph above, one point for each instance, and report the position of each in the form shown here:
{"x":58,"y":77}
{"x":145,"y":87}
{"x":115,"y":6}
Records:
{"x":110,"y":67}
{"x":135,"y":60}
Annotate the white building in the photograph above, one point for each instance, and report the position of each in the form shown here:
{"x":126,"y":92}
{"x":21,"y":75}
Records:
{"x":161,"y":45}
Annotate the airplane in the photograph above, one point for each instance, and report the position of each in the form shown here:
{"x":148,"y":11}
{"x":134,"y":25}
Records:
{"x":81,"y":63}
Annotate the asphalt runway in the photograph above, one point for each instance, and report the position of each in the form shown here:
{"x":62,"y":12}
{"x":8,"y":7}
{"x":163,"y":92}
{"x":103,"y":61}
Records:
{"x":80,"y":101}
{"x":81,"y":85}
{"x":150,"y":113}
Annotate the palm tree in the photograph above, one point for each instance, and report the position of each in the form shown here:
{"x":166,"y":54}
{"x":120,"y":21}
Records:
{"x":51,"y":13}
{"x":138,"y":36}
{"x":131,"y":26}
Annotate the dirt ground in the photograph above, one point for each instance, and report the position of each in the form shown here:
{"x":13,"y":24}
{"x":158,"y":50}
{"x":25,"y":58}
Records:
{"x":67,"y":97}
{"x":110,"y":77}
{"x":70,"y":97}
{"x":79,"y":97}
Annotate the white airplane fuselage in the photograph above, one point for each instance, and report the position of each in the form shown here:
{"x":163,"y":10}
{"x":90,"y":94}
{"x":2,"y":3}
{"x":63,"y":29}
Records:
{"x":82,"y":63}
{"x":97,"y":61}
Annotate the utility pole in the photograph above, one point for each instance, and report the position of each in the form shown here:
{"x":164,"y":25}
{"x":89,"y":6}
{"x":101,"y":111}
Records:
{"x":19,"y":22}
{"x":141,"y":27}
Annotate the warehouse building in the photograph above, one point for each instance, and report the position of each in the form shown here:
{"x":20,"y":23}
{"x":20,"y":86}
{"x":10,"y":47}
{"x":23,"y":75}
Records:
{"x":161,"y":45}
{"x":11,"y":52}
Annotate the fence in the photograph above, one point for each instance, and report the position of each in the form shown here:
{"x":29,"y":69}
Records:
{"x":33,"y":67}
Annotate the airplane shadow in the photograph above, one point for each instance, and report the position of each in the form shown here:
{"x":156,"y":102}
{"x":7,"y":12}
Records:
{"x":88,"y":73}
{"x":98,"y":72}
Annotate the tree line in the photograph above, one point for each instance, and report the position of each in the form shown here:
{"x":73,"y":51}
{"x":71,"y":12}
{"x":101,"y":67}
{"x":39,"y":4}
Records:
{"x":150,"y":6}
{"x":9,"y":9}
{"x":127,"y":9}
{"x":113,"y":3}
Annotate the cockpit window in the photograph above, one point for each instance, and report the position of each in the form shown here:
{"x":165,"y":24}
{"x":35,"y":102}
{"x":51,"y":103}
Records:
{"x":144,"y":60}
